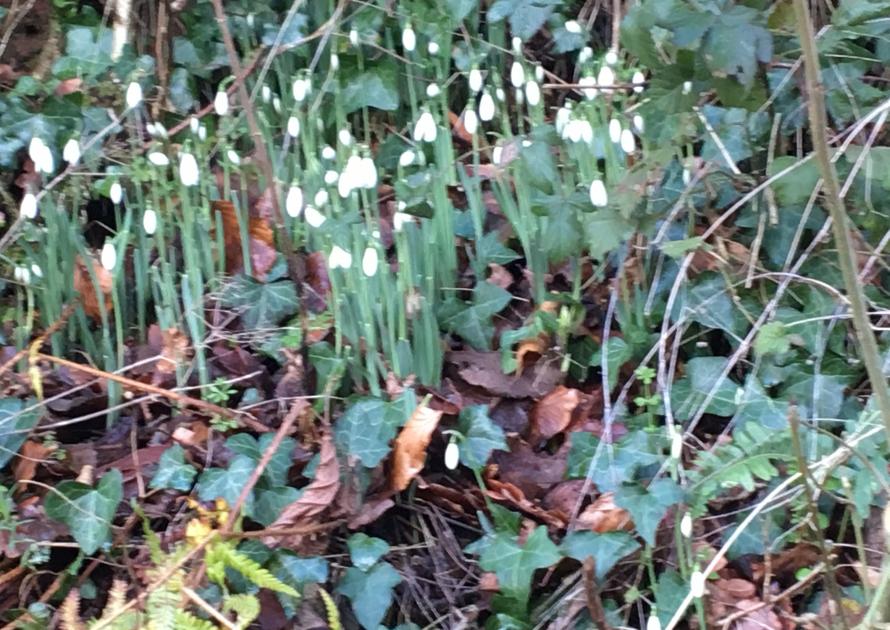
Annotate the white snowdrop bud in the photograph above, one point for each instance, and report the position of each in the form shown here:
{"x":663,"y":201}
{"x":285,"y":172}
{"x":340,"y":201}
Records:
{"x":400,"y":220}
{"x":133,"y":96}
{"x":409,"y":39}
{"x":335,"y":62}
{"x":293,"y":127}
{"x":321,"y":198}
{"x":276,"y":104}
{"x":533,"y":93}
{"x":266,"y":93}
{"x":686,"y":525}
{"x":425,"y":130}
{"x":572,"y":131}
{"x":188,"y":170}
{"x":108,"y":257}
{"x":585,"y":55}
{"x":452,"y":455}
{"x":369,"y":262}
{"x":28,"y":209}
{"x":615,"y":130}
{"x":677,"y":445}
{"x":251,"y":20}
{"x":313,"y":217}
{"x":471,"y":121}
{"x":193,"y":124}
{"x":432,"y":90}
{"x":353,"y":37}
{"x":234,"y":158}
{"x":486,"y":107}
{"x":687,"y":87}
{"x":407,"y":158}
{"x":585,"y":131}
{"x":697,"y":584}
{"x":300,"y":89}
{"x":432,"y":48}
{"x":639,"y":123}
{"x":475,"y":80}
{"x":496,"y":154}
{"x":606,"y":77}
{"x":71,"y":152}
{"x":115,"y":193}
{"x":330,"y":177}
{"x":158,"y":159}
{"x":293,"y":202}
{"x":517,"y":75}
{"x":221,"y":103}
{"x":36,"y":271}
{"x":653,"y":623}
{"x":598,"y":195}
{"x":687,"y":176}
{"x":539,"y":73}
{"x":519,"y":95}
{"x":628,"y":142}
{"x":589,"y":93}
{"x":339,"y":258}
{"x":611,"y":57}
{"x":369,"y":173}
{"x":161,"y":130}
{"x":22,"y":275}
{"x":572,"y":26}
{"x":150,"y":221}
{"x":202,"y":133}
{"x":563,"y":116}
{"x":41,"y":156}
{"x":328,"y":152}
{"x":517,"y":46}
{"x":344,"y":137}
{"x":638,"y":80}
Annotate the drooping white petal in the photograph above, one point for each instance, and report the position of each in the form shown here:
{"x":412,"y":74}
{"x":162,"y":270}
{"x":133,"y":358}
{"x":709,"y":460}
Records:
{"x":41,"y":156}
{"x":150,"y":221}
{"x":475,"y":80}
{"x":300,"y":89}
{"x":133,"y":96}
{"x":606,"y":77}
{"x":158,"y":159}
{"x":71,"y":152}
{"x":266,"y":93}
{"x":653,"y":623}
{"x":687,"y":87}
{"x":353,"y":37}
{"x":409,"y":39}
{"x":686,"y":525}
{"x":486,"y":107}
{"x":328,"y":152}
{"x":639,"y":123}
{"x":321,"y":198}
{"x":452,"y":455}
{"x":628,"y":142}
{"x":598,"y":195}
{"x":697,"y":584}
{"x":407,"y":158}
{"x":533,"y":93}
{"x":638,"y":80}
{"x":115,"y":192}
{"x":517,"y":74}
{"x":293,"y":127}
{"x":432,"y":48}
{"x":293,"y":202}
{"x":563,"y":115}
{"x":496,"y":154}
{"x":572,"y":26}
{"x":368,"y":173}
{"x":471,"y":121}
{"x":22,"y":275}
{"x":108,"y":257}
{"x":28,"y":209}
{"x":517,"y":45}
{"x":233,"y":157}
{"x":36,"y":271}
{"x":615,"y":130}
{"x":188,"y":170}
{"x":433,"y":90}
{"x":331,"y":176}
{"x":370,"y":261}
{"x":425,"y":129}
{"x":585,"y":55}
{"x":589,"y":93}
{"x":344,"y":137}
{"x":611,"y":57}
{"x":221,"y":103}
{"x":400,"y":220}
{"x":586,"y":131}
{"x":313,"y":217}
{"x":339,"y":258}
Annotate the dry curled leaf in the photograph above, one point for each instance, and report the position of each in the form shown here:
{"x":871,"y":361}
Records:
{"x":172,"y":344}
{"x":604,"y":516}
{"x":553,"y":413}
{"x":86,"y":289}
{"x":29,"y":457}
{"x":260,"y":235}
{"x":409,"y":450}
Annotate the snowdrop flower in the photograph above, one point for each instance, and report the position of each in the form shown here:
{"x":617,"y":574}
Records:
{"x":563,"y":116}
{"x":108,"y":257}
{"x":353,"y":37}
{"x":115,"y":193}
{"x":251,"y":20}
{"x":475,"y":80}
{"x":193,"y":125}
{"x":606,"y":77}
{"x":41,"y":155}
{"x":687,"y":87}
{"x":452,"y":455}
{"x":533,"y":93}
{"x":585,"y":55}
{"x":330,"y":177}
{"x":233,"y":157}
{"x":328,"y":152}
{"x":188,"y":170}
{"x":588,"y":92}
{"x":28,"y":209}
{"x":517,"y":74}
{"x":301,"y":88}
{"x":638,"y":80}
{"x":496,"y":154}
{"x":150,"y":221}
{"x":500,"y":95}
{"x":653,"y":623}
{"x":432,"y":48}
{"x":517,"y":46}
{"x":539,"y":73}
{"x":432,"y":90}
{"x":351,"y":177}
{"x":266,"y":93}
{"x":401,"y":219}
{"x":339,"y":258}
{"x":221,"y":103}
{"x":313,"y":217}
{"x":686,"y":525}
{"x":133,"y":96}
{"x":202,"y":133}
{"x":409,"y":39}
{"x":276,"y":105}
{"x":639,"y":123}
{"x":598,"y":195}
{"x":370,"y":262}
{"x":578,"y":130}
{"x":486,"y":107}
{"x":611,"y":57}
{"x":71,"y":152}
{"x":344,"y":137}
{"x":22,"y":275}
{"x":407,"y":158}
{"x":368,"y":173}
{"x":615,"y":130}
{"x":697,"y":584}
{"x":687,"y":176}
{"x":519,"y":95}
{"x":158,"y":130}
{"x":158,"y":159}
{"x":572,"y":26}
{"x":470,"y":121}
{"x":335,"y":62}
{"x":425,"y":129}
{"x":293,"y":127}
{"x":36,"y":271}
{"x":321,"y":198}
{"x":676,"y":445}
{"x":628,"y":142}
{"x":293,"y":202}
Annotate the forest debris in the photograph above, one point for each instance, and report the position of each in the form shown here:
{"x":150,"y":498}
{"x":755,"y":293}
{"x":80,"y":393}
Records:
{"x":409,"y":450}
{"x":483,"y":369}
{"x":84,"y":287}
{"x":553,"y":413}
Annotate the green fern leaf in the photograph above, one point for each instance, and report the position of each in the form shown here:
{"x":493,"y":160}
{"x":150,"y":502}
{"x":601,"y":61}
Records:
{"x":188,"y":621}
{"x":245,"y":606}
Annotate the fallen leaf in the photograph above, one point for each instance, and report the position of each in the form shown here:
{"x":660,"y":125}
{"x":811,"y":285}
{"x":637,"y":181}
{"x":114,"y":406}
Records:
{"x":84,"y":287}
{"x":512,"y":496}
{"x":318,"y":283}
{"x":31,"y":454}
{"x":317,"y":497}
{"x":604,"y":516}
{"x":483,"y":369}
{"x":409,"y":450}
{"x":533,"y":473}
{"x":457,"y":128}
{"x":499,"y":276}
{"x":69,"y":86}
{"x":260,"y":235}
{"x":172,"y":344}
{"x":371,"y":510}
{"x":553,"y":413}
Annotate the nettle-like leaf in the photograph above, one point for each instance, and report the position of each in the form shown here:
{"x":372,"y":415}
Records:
{"x":515,"y":563}
{"x":648,"y":506}
{"x":262,"y":305}
{"x":481,"y":436}
{"x":15,"y":426}
{"x":365,"y":551}
{"x":614,"y":463}
{"x":87,"y":511}
{"x":366,"y":429}
{"x":370,"y":592}
{"x":173,"y":472}
{"x":606,"y":549}
{"x":473,"y":323}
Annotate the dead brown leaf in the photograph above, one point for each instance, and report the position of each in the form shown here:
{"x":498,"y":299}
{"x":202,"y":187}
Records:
{"x":499,"y":276}
{"x":409,"y":450}
{"x":604,"y":516}
{"x":29,"y":457}
{"x":317,"y":497}
{"x":553,"y":413}
{"x":483,"y":369}
{"x":317,"y":282}
{"x":83,"y":286}
{"x":69,"y":86}
{"x":260,"y":235}
{"x":371,"y":510}
{"x":457,"y":128}
{"x":512,"y":496}
{"x":172,"y":344}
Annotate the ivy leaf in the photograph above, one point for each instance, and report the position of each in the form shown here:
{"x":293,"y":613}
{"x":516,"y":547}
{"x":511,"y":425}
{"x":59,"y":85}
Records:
{"x":264,"y":305}
{"x":473,"y":323}
{"x":377,"y":88}
{"x":227,"y":483}
{"x":605,"y":549}
{"x":87,"y":511}
{"x":489,"y":249}
{"x":751,"y":43}
{"x":173,"y":472}
{"x":615,"y":463}
{"x":648,"y":506}
{"x":772,"y":338}
{"x":617,"y":354}
{"x":605,"y":230}
{"x":703,"y":375}
{"x":515,"y":564}
{"x":366,"y":550}
{"x":526,"y":16}
{"x":481,"y":436}
{"x":270,"y":502}
{"x":369,"y":592}
{"x":757,"y":406}
{"x":15,"y":426}
{"x":797,"y":186}
{"x":459,"y":9}
{"x":366,"y":429}
{"x":276,"y":470}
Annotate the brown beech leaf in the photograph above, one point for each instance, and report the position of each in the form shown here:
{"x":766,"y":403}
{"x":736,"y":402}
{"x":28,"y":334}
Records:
{"x":553,"y":413}
{"x":604,"y":516}
{"x":317,"y":497}
{"x":172,"y":344}
{"x":69,"y":86}
{"x":261,"y":240}
{"x":515,"y":498}
{"x":29,"y":457}
{"x":83,"y":285}
{"x":483,"y":369}
{"x":409,"y":451}
{"x":317,"y":282}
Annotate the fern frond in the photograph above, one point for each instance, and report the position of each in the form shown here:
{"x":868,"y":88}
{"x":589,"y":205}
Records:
{"x":69,"y":611}
{"x":245,"y":606}
{"x":331,"y":609}
{"x":187,"y":621}
{"x":164,"y":602}
{"x":223,"y":554}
